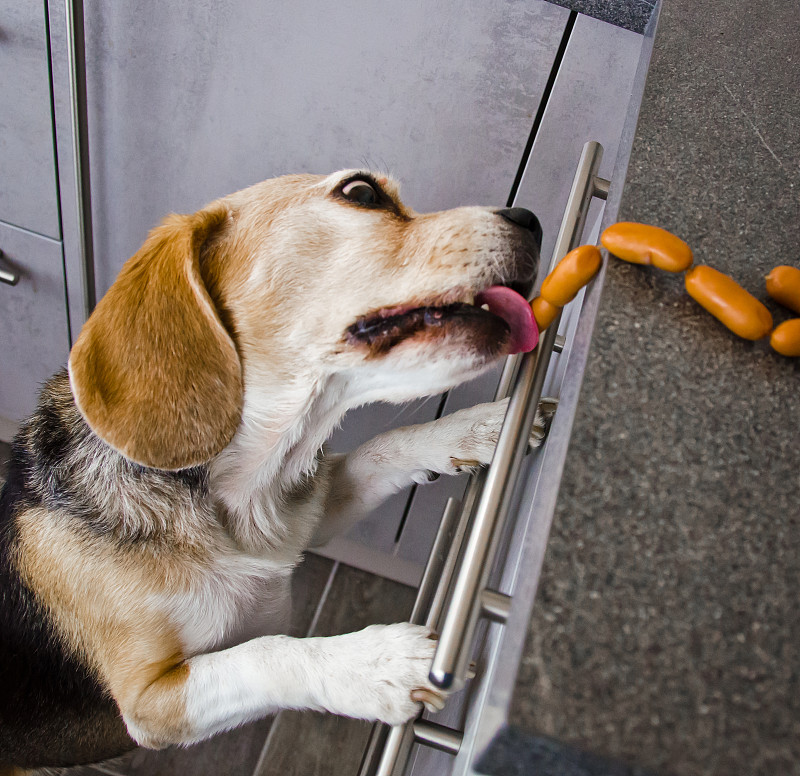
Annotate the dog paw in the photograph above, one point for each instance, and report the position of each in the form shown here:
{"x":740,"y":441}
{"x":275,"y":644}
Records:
{"x":385,"y":674}
{"x":473,"y":432}
{"x":541,"y":424}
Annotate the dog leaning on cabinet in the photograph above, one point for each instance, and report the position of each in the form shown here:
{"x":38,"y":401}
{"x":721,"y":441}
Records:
{"x":172,"y":477}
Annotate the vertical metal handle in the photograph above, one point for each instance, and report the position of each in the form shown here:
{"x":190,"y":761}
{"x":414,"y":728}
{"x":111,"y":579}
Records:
{"x":7,"y":275}
{"x":486,"y":498}
{"x":452,"y":652}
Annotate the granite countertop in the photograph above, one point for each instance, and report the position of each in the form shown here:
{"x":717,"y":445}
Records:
{"x":667,"y":623}
{"x":629,"y":14}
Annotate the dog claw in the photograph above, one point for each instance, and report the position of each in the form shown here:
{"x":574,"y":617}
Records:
{"x":462,"y":465}
{"x":547,"y":407}
{"x":432,"y":701}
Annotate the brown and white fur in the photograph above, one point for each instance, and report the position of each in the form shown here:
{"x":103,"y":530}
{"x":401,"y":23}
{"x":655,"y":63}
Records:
{"x":168,"y":483}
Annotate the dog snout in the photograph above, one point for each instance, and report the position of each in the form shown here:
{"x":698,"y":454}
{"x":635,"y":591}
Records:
{"x":520,"y":216}
{"x":527,"y":239}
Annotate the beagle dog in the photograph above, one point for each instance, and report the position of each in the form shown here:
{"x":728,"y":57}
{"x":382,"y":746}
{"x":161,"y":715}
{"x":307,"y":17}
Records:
{"x":172,"y":477}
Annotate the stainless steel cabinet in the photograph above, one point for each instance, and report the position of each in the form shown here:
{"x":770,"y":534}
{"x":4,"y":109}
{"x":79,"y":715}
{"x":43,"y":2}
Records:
{"x":28,"y":193}
{"x":489,"y":103}
{"x":33,"y":316}
{"x":33,"y":313}
{"x":187,"y":103}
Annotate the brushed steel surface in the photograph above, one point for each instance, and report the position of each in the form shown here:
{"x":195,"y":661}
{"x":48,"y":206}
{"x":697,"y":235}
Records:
{"x":33,"y":319}
{"x":590,"y":99}
{"x":28,"y":196}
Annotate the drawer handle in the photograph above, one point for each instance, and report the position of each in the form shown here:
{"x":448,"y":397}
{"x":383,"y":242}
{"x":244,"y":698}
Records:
{"x":468,"y":595}
{"x":7,"y":275}
{"x":454,"y":590}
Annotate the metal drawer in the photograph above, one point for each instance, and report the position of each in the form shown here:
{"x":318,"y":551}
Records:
{"x":482,"y":574}
{"x":33,"y":319}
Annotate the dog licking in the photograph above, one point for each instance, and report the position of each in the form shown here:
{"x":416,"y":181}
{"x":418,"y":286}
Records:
{"x":176,"y":471}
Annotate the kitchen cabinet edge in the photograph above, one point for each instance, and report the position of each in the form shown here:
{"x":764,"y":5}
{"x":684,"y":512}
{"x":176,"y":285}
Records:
{"x":69,"y":123}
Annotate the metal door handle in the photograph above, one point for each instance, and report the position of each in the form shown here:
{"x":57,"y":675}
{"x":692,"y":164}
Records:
{"x":496,"y":484}
{"x":7,"y":275}
{"x":453,"y":591}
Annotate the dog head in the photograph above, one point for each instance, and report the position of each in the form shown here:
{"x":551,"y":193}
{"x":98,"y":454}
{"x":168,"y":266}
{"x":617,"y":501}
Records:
{"x":294,"y":282}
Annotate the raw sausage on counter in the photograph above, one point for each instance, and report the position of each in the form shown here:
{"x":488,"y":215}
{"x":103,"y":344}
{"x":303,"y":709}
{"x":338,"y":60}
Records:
{"x":644,"y":244}
{"x":727,"y":301}
{"x":561,"y":286}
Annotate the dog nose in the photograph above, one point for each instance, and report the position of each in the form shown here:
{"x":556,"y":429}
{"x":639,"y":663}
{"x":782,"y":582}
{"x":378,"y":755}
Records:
{"x":520,"y":216}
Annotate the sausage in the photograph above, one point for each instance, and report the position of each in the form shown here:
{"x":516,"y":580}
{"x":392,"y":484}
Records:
{"x":561,"y":286}
{"x":544,"y":312}
{"x":644,"y":244}
{"x":786,"y":338}
{"x":727,"y":301}
{"x":783,"y":285}
{"x":570,"y":275}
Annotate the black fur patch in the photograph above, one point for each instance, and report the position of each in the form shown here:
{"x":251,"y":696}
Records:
{"x":58,"y":450}
{"x":53,"y":710}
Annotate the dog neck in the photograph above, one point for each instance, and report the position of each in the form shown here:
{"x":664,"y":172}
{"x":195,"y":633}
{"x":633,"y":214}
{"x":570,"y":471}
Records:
{"x":260,"y":481}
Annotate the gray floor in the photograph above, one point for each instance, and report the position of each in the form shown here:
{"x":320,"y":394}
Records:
{"x":667,"y":627}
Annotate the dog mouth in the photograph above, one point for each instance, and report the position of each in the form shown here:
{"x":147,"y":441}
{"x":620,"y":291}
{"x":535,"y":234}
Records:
{"x":499,"y":314}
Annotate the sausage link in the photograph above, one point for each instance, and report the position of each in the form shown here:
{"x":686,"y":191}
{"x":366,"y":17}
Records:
{"x":644,"y":244}
{"x":783,"y":285}
{"x":786,"y":338}
{"x":727,"y":301}
{"x":571,"y":274}
{"x":561,"y":286}
{"x":544,"y":312}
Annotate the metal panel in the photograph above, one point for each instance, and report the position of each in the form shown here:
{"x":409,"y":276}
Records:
{"x":589,"y":101}
{"x":190,"y":103}
{"x":71,"y":166}
{"x":33,"y":320}
{"x":28,"y":195}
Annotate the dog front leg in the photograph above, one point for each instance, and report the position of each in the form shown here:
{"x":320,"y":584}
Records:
{"x":364,"y":478}
{"x":379,"y":673}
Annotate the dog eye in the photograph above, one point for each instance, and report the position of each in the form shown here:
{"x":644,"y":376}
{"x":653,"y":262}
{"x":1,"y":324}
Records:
{"x":361,"y":192}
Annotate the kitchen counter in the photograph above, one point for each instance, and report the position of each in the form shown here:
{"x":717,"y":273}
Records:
{"x":666,"y":627}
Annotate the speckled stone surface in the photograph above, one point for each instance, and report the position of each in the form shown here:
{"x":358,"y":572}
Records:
{"x":667,"y":629}
{"x":629,"y":14}
{"x":516,"y":753}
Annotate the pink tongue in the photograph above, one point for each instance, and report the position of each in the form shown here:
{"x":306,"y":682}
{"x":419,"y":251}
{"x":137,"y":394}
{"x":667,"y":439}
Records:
{"x":516,"y":312}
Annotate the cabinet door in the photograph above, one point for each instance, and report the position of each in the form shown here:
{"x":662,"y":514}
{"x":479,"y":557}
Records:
{"x":189,"y":103}
{"x":33,"y":320}
{"x":590,"y":101}
{"x":28,"y":196}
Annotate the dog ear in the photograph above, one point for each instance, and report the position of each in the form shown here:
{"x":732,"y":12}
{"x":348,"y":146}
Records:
{"x":154,"y":372}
